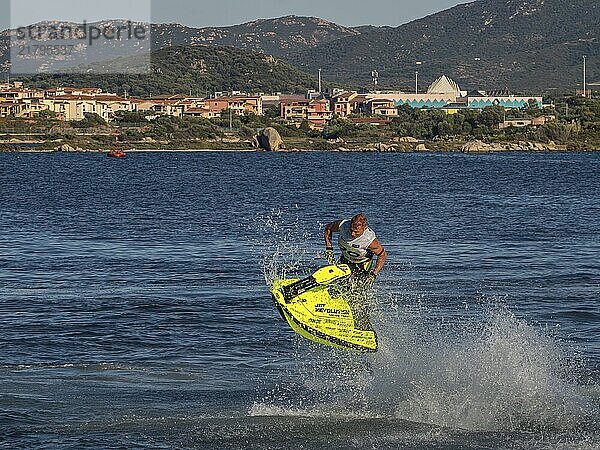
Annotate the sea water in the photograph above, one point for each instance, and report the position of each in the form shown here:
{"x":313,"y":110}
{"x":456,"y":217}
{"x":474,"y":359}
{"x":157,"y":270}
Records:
{"x":135,"y":309}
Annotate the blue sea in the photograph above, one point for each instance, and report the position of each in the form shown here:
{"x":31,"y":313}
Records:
{"x":135,"y":309}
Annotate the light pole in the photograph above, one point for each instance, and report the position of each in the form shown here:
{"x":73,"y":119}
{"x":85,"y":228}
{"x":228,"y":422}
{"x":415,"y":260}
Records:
{"x":320,"y":88}
{"x":416,"y":81}
{"x":418,"y":63}
{"x":584,"y":78}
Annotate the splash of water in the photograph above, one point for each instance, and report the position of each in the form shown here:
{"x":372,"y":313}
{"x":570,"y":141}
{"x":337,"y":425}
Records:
{"x":281,"y":245}
{"x":495,"y":373}
{"x":492,"y":372}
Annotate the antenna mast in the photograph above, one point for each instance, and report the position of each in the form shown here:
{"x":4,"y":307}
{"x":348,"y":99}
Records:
{"x":375,"y":78}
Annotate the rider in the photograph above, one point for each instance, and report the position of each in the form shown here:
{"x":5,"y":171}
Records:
{"x":358,"y":244}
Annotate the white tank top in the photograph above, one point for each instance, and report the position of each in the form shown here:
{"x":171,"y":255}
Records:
{"x":355,"y":250}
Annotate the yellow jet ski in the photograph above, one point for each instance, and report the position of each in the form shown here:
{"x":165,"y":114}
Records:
{"x":323,"y":308}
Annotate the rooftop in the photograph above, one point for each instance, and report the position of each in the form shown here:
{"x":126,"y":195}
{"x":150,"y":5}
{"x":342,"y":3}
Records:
{"x":444,"y":85}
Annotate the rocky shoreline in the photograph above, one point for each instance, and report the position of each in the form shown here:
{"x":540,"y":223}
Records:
{"x":475,"y":146}
{"x":272,"y":142}
{"x":478,"y":146}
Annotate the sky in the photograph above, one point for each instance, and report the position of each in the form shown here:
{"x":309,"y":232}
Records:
{"x":200,"y":13}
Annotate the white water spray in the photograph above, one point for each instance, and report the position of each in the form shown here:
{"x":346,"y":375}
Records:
{"x":492,"y":372}
{"x":496,"y":374}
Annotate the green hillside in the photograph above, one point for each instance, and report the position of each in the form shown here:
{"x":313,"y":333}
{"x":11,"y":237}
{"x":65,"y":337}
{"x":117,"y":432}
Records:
{"x":488,"y":44}
{"x":196,"y":69}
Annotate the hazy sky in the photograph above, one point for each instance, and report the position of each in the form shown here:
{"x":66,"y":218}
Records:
{"x":220,"y":12}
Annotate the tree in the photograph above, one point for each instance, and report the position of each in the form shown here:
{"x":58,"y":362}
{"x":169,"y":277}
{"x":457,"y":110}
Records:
{"x":128,"y":117}
{"x":491,"y":116}
{"x":339,"y":128}
{"x":47,"y":114}
{"x":90,"y":120}
{"x":443,"y":128}
{"x":271,"y":112}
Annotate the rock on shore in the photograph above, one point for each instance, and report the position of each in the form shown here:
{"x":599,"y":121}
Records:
{"x":269,"y":139}
{"x":478,"y":146}
{"x":68,"y":148}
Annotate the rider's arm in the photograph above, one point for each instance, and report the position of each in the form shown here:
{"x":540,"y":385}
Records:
{"x":381,"y":254}
{"x":331,"y":228}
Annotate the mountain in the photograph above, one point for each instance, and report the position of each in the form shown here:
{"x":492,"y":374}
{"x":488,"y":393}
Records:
{"x":277,"y":37}
{"x":534,"y":46}
{"x":520,"y":44}
{"x":200,"y":70}
{"x":56,"y":46}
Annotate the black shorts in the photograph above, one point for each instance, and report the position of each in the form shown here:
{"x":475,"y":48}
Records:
{"x":358,"y":268}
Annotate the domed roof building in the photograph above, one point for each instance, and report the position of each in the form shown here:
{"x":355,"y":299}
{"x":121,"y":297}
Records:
{"x":444,"y":86}
{"x":444,"y":93}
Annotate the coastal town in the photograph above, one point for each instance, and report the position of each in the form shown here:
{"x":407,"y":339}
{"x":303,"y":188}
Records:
{"x":316,"y":108}
{"x":315,"y":112}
